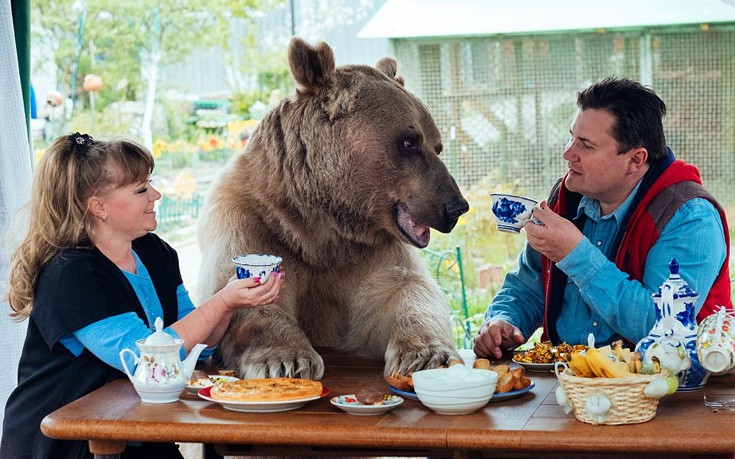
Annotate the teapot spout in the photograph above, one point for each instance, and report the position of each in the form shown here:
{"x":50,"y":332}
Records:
{"x":191,"y":360}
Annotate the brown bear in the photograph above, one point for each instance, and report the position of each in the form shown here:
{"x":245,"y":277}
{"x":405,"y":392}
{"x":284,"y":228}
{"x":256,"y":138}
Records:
{"x":342,"y":180}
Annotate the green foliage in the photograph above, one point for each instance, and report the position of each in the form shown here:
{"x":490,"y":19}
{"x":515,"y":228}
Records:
{"x":476,"y":231}
{"x":277,"y":79}
{"x":177,"y":114}
{"x":106,"y":124}
{"x":116,"y":39}
{"x":481,"y":244}
{"x":242,"y":101}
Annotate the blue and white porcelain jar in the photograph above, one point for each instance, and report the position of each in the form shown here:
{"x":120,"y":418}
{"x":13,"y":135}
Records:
{"x":673,"y":338}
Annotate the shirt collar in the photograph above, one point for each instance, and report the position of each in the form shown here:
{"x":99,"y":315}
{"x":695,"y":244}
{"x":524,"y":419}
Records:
{"x":591,"y":208}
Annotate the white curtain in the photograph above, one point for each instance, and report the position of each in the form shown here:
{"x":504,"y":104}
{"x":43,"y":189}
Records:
{"x":15,"y":181}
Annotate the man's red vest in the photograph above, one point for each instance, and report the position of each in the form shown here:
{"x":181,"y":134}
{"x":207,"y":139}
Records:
{"x":678,"y":183}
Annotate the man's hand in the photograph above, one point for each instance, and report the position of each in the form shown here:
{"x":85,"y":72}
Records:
{"x":555,"y":237}
{"x":496,"y":335}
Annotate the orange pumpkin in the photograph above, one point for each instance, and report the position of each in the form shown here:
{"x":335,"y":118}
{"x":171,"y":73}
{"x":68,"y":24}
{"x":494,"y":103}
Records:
{"x":92,"y":83}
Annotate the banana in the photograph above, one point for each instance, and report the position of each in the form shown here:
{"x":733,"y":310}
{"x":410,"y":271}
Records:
{"x":597,"y":362}
{"x":635,"y":364}
{"x":622,"y":369}
{"x":580,"y":367}
{"x":618,"y":347}
{"x":603,"y":367}
{"x":656,"y":365}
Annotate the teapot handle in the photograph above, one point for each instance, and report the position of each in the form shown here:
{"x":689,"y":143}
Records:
{"x":125,"y":365}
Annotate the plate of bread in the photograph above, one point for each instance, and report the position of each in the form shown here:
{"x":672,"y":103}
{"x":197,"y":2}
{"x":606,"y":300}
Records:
{"x":499,"y":396}
{"x":512,"y":381}
{"x":411,"y":395}
{"x":402,"y":384}
{"x":266,"y":395}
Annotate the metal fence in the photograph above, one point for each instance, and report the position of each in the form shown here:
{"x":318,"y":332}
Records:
{"x":179,"y":211}
{"x":448,"y":270}
{"x":504,"y":104}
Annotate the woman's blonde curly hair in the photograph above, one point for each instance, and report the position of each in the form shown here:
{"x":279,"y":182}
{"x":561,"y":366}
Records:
{"x":74,"y":168}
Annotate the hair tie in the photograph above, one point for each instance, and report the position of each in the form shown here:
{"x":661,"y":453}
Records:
{"x":80,"y":143}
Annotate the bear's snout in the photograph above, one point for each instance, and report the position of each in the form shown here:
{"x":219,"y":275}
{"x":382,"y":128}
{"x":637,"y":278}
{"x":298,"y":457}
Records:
{"x":452,"y":211}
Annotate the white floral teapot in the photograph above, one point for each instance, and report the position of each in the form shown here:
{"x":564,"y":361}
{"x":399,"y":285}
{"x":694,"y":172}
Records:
{"x":160,"y":375}
{"x":672,"y":340}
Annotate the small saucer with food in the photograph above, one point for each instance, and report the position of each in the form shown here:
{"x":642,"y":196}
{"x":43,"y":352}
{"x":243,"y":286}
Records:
{"x":349,"y":404}
{"x":366,"y":402}
{"x":199,"y":380}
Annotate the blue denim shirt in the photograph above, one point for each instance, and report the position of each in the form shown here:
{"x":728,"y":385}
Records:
{"x":601,"y":299}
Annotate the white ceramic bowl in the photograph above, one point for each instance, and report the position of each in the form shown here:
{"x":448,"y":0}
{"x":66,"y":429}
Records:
{"x":454,"y":390}
{"x":256,"y":265}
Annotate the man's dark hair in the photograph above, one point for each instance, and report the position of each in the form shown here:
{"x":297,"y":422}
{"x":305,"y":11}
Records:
{"x":638,"y":112}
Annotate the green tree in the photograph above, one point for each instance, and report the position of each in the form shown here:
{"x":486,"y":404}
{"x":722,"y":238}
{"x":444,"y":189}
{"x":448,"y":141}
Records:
{"x":259,"y":64}
{"x":128,"y":42}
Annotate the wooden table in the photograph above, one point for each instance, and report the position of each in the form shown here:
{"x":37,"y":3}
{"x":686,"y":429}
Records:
{"x":532,"y":425}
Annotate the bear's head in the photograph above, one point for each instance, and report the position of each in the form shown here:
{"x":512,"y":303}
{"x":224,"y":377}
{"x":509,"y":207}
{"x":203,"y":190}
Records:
{"x":361,"y":153}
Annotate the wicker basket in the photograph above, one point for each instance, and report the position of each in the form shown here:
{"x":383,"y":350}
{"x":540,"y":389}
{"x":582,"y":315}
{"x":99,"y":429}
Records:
{"x":628,"y":404}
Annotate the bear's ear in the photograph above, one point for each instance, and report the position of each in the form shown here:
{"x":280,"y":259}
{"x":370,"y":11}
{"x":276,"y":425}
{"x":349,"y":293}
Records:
{"x":389,"y":66}
{"x":311,"y":66}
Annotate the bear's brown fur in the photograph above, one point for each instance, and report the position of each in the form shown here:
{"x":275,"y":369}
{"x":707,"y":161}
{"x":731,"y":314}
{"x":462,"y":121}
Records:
{"x":342,"y":180}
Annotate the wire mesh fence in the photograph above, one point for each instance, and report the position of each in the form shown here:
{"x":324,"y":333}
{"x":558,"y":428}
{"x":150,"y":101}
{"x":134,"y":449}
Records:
{"x":505,"y":104}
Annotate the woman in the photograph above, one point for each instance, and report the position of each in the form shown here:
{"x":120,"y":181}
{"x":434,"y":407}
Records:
{"x":91,"y":278}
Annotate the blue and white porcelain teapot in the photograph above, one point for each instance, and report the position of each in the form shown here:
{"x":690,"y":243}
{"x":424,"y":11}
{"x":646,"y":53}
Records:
{"x":673,"y":339}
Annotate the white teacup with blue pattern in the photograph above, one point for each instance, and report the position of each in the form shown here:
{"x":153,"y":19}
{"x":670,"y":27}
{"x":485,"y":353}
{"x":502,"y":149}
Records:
{"x":256,"y":265}
{"x":511,"y":211}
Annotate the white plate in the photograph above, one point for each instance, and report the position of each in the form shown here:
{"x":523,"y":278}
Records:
{"x":349,"y":404}
{"x":403,"y":393}
{"x":512,"y":394}
{"x":542,"y":367}
{"x":261,"y":407}
{"x":194,"y":389}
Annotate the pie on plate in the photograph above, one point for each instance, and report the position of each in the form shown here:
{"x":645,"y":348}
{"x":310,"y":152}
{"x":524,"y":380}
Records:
{"x":266,"y":390}
{"x":260,"y":407}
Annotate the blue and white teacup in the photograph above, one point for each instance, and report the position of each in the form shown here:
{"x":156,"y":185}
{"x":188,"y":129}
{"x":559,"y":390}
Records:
{"x":511,"y":211}
{"x":256,"y":265}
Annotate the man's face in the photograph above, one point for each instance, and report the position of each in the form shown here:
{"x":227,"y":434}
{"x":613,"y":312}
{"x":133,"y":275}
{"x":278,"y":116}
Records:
{"x":596,"y":170}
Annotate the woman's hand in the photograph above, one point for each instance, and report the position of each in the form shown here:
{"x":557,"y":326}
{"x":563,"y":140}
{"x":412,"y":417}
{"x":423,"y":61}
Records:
{"x":208,"y":323}
{"x":250,"y":293}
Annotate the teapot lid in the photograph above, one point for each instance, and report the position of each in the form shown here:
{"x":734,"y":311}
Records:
{"x":159,"y":336}
{"x":678,"y":285}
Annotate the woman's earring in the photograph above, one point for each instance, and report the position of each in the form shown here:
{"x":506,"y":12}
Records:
{"x":104,"y":217}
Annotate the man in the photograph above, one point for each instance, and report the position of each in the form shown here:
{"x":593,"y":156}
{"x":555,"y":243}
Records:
{"x":612,"y":224}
